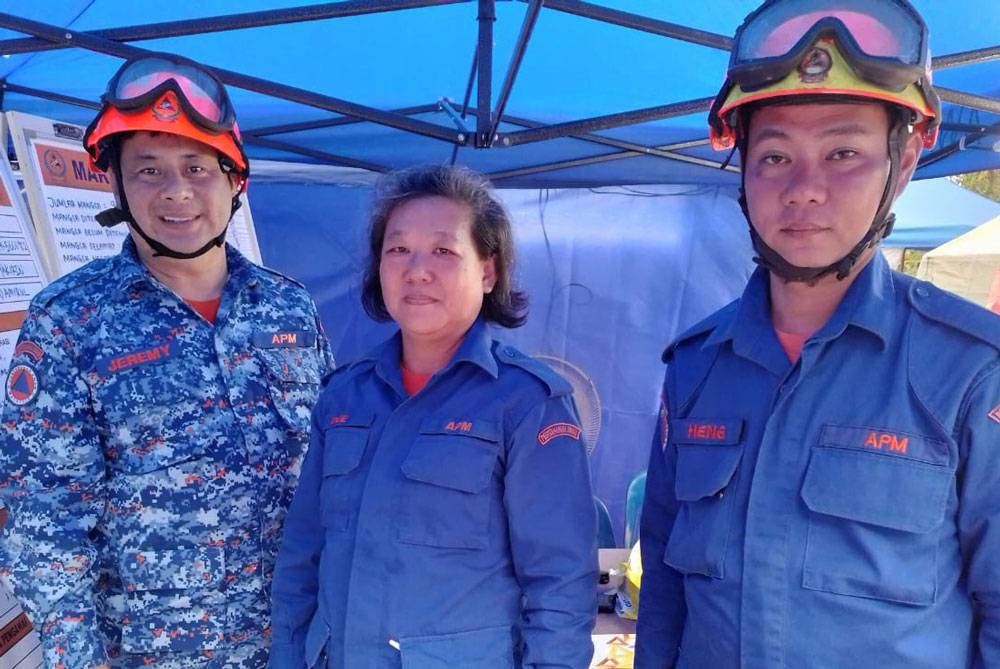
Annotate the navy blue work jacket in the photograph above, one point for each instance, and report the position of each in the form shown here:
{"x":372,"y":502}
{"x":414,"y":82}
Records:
{"x":842,"y":511}
{"x":451,"y":529}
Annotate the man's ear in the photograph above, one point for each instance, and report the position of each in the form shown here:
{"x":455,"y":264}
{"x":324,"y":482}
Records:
{"x":235,"y":183}
{"x":908,"y":160}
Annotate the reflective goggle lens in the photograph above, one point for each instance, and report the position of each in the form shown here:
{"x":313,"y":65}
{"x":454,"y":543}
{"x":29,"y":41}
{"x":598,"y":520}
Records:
{"x":880,"y":28}
{"x":139,"y":82}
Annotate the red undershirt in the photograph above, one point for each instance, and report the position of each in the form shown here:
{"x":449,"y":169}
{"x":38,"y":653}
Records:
{"x":412,"y":381}
{"x":208,"y":309}
{"x":792,"y":343}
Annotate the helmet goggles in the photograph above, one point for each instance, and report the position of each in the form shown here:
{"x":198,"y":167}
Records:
{"x":884,"y":40}
{"x":140,"y":83}
{"x":882,"y":43}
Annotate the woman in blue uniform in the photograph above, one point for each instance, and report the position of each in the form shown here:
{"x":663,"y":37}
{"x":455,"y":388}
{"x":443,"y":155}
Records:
{"x":444,"y":516}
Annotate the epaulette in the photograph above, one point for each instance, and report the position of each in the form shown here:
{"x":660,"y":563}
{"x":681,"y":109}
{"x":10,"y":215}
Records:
{"x":92,"y":271}
{"x":554,"y":382}
{"x":283,"y":277}
{"x":340,"y":372}
{"x":353,"y":364}
{"x":701,"y":328}
{"x":956,"y":313}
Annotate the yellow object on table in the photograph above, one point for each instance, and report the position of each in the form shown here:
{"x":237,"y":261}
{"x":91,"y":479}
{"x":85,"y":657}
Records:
{"x":627,"y":601}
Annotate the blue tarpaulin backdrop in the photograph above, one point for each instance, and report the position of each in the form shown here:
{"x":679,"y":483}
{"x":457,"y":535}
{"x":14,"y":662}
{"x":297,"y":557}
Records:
{"x":627,"y":228}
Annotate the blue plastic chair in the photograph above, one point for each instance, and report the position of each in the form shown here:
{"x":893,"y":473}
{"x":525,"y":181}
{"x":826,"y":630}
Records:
{"x":605,"y":532}
{"x":633,"y":508}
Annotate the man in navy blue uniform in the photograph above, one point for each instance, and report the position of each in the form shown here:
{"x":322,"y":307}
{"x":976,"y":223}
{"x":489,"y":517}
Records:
{"x":822,"y":491}
{"x":158,"y":403}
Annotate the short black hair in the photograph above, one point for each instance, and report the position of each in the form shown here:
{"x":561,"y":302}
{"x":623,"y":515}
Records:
{"x":491,"y":233}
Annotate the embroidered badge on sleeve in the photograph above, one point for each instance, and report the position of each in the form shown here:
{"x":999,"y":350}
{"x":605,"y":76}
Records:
{"x":22,"y":384}
{"x":664,"y":424}
{"x":554,"y":430}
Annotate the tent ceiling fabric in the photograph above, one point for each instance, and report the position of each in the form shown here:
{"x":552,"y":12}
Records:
{"x":587,"y":94}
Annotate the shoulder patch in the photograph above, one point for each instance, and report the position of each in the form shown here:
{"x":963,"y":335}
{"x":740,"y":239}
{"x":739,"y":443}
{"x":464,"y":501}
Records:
{"x":955,"y":312}
{"x":550,"y":432}
{"x":556,"y":384}
{"x":22,"y":384}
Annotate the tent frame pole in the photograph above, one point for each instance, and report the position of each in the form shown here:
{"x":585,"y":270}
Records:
{"x":605,"y":122}
{"x":484,"y":78}
{"x":211,"y":24}
{"x":527,"y":26}
{"x":88,"y":41}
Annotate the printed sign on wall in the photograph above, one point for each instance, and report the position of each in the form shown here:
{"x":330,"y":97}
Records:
{"x":22,"y":273}
{"x":65,"y":194}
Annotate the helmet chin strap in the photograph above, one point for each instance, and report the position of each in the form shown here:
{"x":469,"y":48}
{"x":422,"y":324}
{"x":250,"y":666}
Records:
{"x":121,"y":214}
{"x":880,"y":228}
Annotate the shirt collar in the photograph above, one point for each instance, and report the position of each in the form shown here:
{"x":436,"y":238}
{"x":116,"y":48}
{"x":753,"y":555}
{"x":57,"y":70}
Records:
{"x":751,"y":317}
{"x":867,"y":304}
{"x":476,"y":348}
{"x":133,"y":271}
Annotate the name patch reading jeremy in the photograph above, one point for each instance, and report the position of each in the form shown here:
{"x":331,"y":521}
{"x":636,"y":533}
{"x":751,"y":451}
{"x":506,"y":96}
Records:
{"x":284,"y":339}
{"x":107,"y":366}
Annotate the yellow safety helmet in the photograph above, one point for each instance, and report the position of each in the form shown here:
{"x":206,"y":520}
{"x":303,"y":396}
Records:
{"x":868,"y":49}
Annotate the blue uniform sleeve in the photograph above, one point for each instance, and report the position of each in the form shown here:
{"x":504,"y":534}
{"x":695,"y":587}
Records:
{"x":52,"y":481}
{"x":661,"y":602}
{"x":295,"y":588}
{"x":327,"y":362}
{"x":553,"y":538}
{"x":979,"y":513}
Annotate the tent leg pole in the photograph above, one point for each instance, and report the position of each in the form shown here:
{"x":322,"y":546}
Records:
{"x":484,"y":121}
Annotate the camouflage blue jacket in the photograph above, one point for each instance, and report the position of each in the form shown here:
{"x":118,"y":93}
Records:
{"x":147,"y":458}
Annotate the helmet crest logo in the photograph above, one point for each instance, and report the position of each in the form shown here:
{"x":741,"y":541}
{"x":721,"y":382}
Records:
{"x":166,"y":109}
{"x":815,"y":65}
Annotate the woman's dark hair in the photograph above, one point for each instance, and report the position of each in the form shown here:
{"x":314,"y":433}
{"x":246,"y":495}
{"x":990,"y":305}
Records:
{"x":491,"y":233}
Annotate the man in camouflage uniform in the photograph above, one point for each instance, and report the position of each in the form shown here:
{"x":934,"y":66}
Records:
{"x":158,"y":404}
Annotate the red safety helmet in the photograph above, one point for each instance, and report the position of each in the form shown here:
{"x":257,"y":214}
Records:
{"x":171,"y":94}
{"x":160,"y":92}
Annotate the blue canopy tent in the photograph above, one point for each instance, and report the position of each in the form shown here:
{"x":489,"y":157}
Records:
{"x":632,"y":233}
{"x":553,"y":93}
